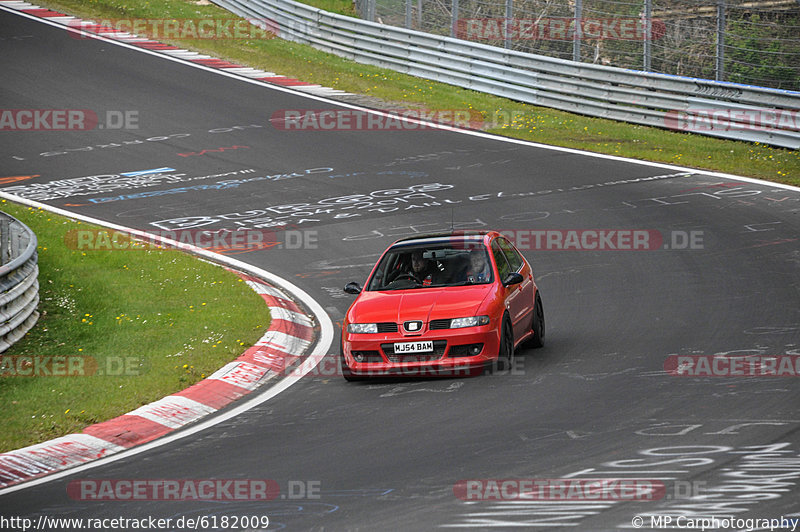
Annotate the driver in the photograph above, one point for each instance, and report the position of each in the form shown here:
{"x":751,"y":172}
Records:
{"x":421,"y":268}
{"x":478,"y":271}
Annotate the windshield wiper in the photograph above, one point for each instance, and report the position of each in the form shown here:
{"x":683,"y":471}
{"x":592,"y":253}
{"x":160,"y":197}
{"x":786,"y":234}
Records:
{"x":446,"y":285}
{"x":388,"y":288}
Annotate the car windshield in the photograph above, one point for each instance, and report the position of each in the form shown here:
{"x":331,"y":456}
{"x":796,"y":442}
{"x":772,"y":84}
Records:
{"x":418,"y":267}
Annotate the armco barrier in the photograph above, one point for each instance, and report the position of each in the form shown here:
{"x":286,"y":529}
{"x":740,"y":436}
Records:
{"x":719,"y":109}
{"x":19,"y":286}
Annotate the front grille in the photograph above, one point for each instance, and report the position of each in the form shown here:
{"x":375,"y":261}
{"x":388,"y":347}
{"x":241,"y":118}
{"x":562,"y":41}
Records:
{"x":387,"y":327}
{"x":439,"y":324}
{"x":439,"y":347}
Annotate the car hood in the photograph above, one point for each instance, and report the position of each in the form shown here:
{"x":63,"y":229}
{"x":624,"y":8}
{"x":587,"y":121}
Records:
{"x":418,"y":304}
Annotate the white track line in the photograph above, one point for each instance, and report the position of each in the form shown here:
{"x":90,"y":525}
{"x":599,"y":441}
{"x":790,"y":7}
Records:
{"x":326,"y":336}
{"x":313,"y":359}
{"x":480,"y":134}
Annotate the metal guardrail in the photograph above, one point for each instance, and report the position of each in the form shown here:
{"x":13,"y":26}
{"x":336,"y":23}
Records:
{"x":19,"y":285}
{"x":694,"y":38}
{"x":719,"y":109}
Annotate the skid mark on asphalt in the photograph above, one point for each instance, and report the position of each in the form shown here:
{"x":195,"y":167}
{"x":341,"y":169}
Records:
{"x":405,"y":389}
{"x":596,"y":376}
{"x":573,"y":270}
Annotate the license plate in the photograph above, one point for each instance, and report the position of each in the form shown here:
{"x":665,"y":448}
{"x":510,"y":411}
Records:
{"x":413,"y":347}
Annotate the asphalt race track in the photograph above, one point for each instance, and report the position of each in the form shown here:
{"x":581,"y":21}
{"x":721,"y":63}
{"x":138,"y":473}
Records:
{"x":722,"y":278}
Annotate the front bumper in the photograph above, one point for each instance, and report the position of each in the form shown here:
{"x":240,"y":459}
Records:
{"x":454,"y":352}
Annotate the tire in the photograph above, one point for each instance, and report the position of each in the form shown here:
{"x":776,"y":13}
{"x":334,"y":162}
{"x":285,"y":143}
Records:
{"x":505,"y":355}
{"x":346,"y":373}
{"x":538,"y":323}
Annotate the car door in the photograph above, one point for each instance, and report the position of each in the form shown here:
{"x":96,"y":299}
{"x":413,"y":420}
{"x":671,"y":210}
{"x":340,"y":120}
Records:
{"x":521,"y":302}
{"x":510,"y":293}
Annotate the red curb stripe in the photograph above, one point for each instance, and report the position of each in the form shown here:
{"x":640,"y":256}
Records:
{"x":257,"y":281}
{"x":214,"y":393}
{"x":279,"y":362}
{"x":156,"y":46}
{"x":249,"y":278}
{"x":95,"y":28}
{"x":269,"y":357}
{"x":240,"y":379}
{"x":245,"y":375}
{"x":38,"y":460}
{"x":291,"y":328}
{"x":273,"y":301}
{"x":127,"y":430}
{"x":218,"y":63}
{"x":288,"y":82}
{"x":41,"y":12}
{"x":145,"y":44}
{"x":12,"y":471}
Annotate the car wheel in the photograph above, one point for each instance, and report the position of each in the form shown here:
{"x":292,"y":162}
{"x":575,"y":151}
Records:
{"x":538,"y":323}
{"x":346,"y":373}
{"x":505,"y":356}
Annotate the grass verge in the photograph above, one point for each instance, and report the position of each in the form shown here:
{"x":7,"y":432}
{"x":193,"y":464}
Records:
{"x":154,"y":321}
{"x":534,"y":123}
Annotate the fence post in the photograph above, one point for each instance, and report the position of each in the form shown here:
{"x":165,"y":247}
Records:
{"x":454,"y":18}
{"x":4,"y":229}
{"x":719,"y":70}
{"x":648,"y":35}
{"x":508,"y":21}
{"x":408,"y":14}
{"x":576,"y":38}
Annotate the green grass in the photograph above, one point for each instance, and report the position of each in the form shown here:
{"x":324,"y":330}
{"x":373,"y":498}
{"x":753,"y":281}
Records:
{"x":170,"y":318}
{"x":342,"y":7}
{"x":538,"y":124}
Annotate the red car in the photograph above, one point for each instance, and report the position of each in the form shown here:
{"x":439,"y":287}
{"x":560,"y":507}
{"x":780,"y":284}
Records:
{"x":443,"y":304}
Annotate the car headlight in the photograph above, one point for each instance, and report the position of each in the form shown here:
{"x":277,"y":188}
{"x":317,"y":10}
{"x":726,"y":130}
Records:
{"x":472,"y":321}
{"x":362,"y":328}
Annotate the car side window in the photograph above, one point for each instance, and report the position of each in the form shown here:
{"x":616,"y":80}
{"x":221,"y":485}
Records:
{"x":500,"y":259}
{"x":514,"y":260}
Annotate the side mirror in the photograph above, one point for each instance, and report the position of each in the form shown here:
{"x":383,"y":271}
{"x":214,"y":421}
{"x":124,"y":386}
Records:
{"x":512,"y":278}
{"x":355,"y":288}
